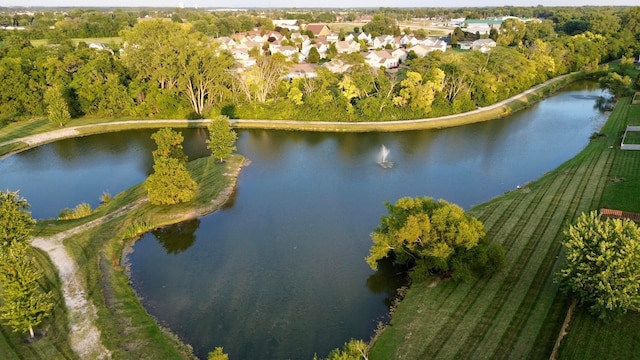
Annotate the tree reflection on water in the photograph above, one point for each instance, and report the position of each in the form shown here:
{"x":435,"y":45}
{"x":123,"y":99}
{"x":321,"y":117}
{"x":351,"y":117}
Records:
{"x":178,"y":237}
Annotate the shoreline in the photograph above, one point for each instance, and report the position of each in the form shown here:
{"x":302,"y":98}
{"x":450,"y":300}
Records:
{"x":85,"y":331}
{"x":487,"y":113}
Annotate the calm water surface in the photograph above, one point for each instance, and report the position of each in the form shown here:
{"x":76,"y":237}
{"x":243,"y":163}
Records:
{"x":280,"y":272}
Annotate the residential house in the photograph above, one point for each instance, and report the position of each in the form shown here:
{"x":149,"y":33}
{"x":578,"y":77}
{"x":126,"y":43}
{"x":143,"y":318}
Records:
{"x":249,"y":45}
{"x":318,"y":29}
{"x":435,"y":44}
{"x":400,"y":54}
{"x":100,"y":47}
{"x":408,"y":41}
{"x":381,"y":42}
{"x":483,"y":45}
{"x":290,"y":52}
{"x":291,"y":24}
{"x":337,"y":66}
{"x":226,"y":42}
{"x":365,"y":37}
{"x":333,"y":37}
{"x":322,"y":50}
{"x":242,"y":57}
{"x":465,"y":45}
{"x":302,"y":70}
{"x":381,"y":58}
{"x":420,"y":50}
{"x":345,"y":47}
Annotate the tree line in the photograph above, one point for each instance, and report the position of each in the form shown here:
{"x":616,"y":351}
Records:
{"x":171,"y":69}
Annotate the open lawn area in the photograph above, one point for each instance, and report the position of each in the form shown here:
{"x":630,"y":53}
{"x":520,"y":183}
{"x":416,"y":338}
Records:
{"x":517,"y":314}
{"x":111,"y":42}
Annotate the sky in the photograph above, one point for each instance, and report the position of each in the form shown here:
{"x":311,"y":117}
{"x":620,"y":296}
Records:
{"x":314,"y":3}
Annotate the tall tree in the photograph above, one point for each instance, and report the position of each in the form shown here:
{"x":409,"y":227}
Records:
{"x":170,"y":182}
{"x":222,"y":138}
{"x":314,"y":56}
{"x":602,"y":264}
{"x":57,"y":107}
{"x":174,"y":57}
{"x":25,"y":305}
{"x":15,"y":218}
{"x":419,"y":93}
{"x":262,"y":79}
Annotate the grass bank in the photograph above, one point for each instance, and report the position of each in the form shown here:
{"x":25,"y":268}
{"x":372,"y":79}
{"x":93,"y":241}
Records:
{"x":589,"y":338}
{"x":11,"y":133}
{"x":126,"y":328}
{"x":517,"y":313}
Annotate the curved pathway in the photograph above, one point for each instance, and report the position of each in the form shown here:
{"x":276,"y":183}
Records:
{"x":84,"y":336}
{"x":74,"y":131}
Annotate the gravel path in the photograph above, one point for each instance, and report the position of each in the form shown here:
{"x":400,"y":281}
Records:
{"x":84,"y":335}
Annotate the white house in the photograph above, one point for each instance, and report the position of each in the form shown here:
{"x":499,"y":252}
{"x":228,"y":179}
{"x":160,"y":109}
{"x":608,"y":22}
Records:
{"x":435,"y":44}
{"x":290,"y":52}
{"x":483,"y":45}
{"x":226,"y":42}
{"x":302,"y":70}
{"x":345,"y":47}
{"x":400,"y":54}
{"x":379,"y":58}
{"x":100,"y":47}
{"x":337,"y":66}
{"x":333,"y":37}
{"x":365,"y":37}
{"x":382,"y":41}
{"x":291,"y":24}
{"x":322,"y":50}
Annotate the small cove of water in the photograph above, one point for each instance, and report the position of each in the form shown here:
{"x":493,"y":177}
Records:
{"x":280,"y":272}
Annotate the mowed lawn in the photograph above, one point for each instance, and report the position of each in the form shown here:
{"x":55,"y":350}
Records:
{"x":517,"y":313}
{"x":113,"y":42}
{"x":589,"y":338}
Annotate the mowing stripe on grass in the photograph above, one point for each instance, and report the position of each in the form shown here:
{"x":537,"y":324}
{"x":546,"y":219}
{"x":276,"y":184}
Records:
{"x":533,"y":300}
{"x":544,"y":279}
{"x":513,"y":287}
{"x":511,"y":222}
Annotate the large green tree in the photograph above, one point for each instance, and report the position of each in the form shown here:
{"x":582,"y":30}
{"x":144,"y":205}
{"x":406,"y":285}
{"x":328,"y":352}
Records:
{"x":15,"y":219}
{"x":602,"y":264}
{"x":222,"y":138}
{"x":170,"y":182}
{"x":57,"y":107}
{"x":176,"y":59}
{"x":434,"y":236}
{"x":24,"y":303}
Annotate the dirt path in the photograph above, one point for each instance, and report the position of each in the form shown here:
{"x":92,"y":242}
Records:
{"x":84,"y":335}
{"x":563,"y":330}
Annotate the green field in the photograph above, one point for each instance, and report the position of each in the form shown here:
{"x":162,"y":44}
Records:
{"x":517,"y":313}
{"x":111,"y":42}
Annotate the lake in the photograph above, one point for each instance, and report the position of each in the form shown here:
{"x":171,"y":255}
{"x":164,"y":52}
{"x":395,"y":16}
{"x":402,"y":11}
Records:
{"x":279,"y":273}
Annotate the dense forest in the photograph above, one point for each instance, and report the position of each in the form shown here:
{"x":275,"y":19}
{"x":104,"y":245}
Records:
{"x":175,"y":68}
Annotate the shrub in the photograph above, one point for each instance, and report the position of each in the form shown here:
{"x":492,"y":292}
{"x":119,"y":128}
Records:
{"x":80,"y":211}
